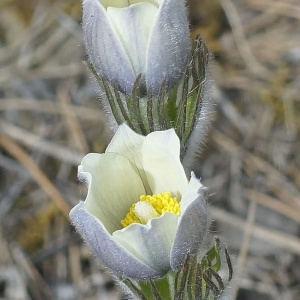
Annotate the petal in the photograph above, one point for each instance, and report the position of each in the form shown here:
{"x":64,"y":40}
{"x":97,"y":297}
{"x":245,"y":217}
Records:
{"x":104,"y":47}
{"x":133,"y":25}
{"x":110,"y":253}
{"x":161,"y":162}
{"x":194,"y":188}
{"x":150,"y":243}
{"x":114,"y":3}
{"x":169,"y":45}
{"x":155,"y":2}
{"x":192,"y":225}
{"x":113,"y":187}
{"x":128,"y":143}
{"x":125,"y":3}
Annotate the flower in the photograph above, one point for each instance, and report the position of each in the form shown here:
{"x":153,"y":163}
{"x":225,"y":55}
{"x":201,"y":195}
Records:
{"x":147,"y":168}
{"x":125,"y":38}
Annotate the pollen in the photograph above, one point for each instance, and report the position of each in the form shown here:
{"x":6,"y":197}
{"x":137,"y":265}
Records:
{"x":149,"y":207}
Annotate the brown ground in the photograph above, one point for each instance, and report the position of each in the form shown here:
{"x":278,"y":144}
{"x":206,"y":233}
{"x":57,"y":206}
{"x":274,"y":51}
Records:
{"x":50,"y":118}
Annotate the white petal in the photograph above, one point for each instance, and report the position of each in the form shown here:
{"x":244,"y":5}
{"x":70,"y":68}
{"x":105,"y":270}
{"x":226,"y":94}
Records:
{"x":194,"y":188}
{"x":125,"y":3}
{"x":169,"y":45}
{"x":155,"y":2}
{"x":193,"y":224}
{"x":133,"y":25}
{"x":110,"y":253}
{"x":114,"y":3}
{"x":128,"y":143}
{"x":113,"y":187}
{"x":104,"y":47}
{"x":164,"y":171}
{"x":150,"y":243}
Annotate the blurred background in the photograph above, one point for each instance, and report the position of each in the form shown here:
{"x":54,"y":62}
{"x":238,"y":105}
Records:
{"x":50,"y":116}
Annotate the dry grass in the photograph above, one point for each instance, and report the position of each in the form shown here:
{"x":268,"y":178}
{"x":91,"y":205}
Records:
{"x":50,"y":118}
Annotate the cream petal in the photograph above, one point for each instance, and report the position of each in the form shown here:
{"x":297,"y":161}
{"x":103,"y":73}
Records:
{"x":133,"y":25}
{"x":114,"y":3}
{"x":155,"y":2}
{"x":169,"y":45}
{"x":128,"y":143}
{"x":110,"y":253}
{"x":125,"y":3}
{"x":113,"y":187}
{"x":104,"y":47}
{"x":193,"y":223}
{"x":161,"y":162}
{"x":150,"y":243}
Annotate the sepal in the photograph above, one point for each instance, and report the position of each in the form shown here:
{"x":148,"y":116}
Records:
{"x":195,"y":279}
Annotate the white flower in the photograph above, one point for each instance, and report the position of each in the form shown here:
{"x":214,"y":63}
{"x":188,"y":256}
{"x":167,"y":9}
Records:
{"x":125,"y":38}
{"x":134,"y":165}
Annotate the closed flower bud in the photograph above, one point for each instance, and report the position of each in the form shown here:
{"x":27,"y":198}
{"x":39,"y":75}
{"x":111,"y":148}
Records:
{"x":125,"y":38}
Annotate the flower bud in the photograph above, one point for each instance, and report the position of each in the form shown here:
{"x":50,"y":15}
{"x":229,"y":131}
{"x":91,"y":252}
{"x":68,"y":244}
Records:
{"x":127,"y":38}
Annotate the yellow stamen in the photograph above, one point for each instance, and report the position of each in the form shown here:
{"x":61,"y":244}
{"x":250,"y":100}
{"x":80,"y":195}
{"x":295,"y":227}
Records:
{"x":151,"y":206}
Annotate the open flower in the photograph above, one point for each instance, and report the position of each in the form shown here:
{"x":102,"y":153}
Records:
{"x":125,"y":38}
{"x":140,"y":183}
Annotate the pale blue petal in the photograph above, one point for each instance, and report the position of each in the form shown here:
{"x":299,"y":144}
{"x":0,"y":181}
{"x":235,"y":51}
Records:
{"x":150,"y":243}
{"x":193,"y":223}
{"x":169,"y":45}
{"x":109,"y":253}
{"x":104,"y":47}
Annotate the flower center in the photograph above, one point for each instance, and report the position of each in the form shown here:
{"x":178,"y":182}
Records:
{"x":149,"y":207}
